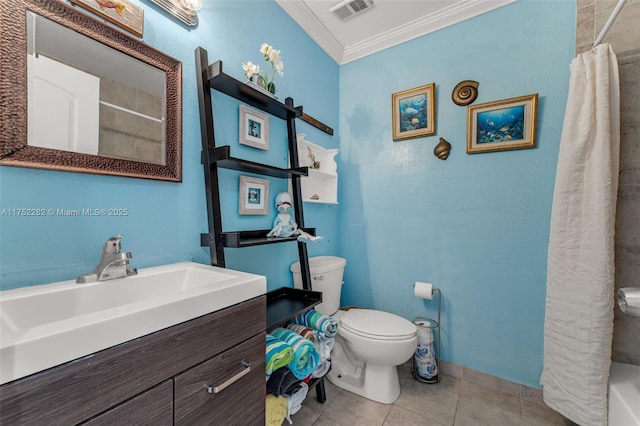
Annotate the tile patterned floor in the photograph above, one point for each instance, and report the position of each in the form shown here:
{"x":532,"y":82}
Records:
{"x":452,"y":402}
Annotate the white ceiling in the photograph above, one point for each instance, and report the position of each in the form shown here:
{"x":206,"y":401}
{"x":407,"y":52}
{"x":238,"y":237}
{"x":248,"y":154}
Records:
{"x":387,"y":24}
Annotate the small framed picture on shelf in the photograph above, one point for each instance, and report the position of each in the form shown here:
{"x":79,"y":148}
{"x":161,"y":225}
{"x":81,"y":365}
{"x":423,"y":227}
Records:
{"x":254,"y":128}
{"x":254,"y":195}
{"x":414,"y":112}
{"x":502,"y":125}
{"x":122,"y":13}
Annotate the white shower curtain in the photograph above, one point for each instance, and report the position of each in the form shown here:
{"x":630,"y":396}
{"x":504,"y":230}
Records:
{"x":578,"y":326}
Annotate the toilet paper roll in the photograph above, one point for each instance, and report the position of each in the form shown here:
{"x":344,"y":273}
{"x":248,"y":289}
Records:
{"x":425,"y":328}
{"x":423,"y":290}
{"x":629,"y":300}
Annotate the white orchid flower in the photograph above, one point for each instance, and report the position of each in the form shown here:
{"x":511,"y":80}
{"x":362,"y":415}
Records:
{"x":279,"y":67}
{"x":272,"y":56}
{"x":251,"y":69}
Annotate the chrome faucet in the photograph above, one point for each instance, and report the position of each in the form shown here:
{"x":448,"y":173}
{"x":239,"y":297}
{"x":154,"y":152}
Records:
{"x":113,"y":264}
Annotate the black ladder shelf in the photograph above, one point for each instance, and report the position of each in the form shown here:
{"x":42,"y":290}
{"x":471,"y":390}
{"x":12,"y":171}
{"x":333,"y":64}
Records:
{"x":284,"y":303}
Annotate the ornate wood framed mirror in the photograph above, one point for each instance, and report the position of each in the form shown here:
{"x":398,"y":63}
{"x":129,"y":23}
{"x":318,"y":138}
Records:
{"x":127,"y":123}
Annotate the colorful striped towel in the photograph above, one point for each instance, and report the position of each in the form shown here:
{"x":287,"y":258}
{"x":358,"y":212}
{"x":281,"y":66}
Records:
{"x":324,"y":325}
{"x":305,"y":332}
{"x":278,"y":354}
{"x":305,"y":355}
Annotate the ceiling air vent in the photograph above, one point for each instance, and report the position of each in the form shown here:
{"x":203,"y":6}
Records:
{"x":349,"y":8}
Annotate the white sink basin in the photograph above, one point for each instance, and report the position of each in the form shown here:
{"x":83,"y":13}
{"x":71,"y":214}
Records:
{"x":47,"y":325}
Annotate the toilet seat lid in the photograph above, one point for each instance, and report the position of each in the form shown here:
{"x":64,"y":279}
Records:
{"x":377,"y":324}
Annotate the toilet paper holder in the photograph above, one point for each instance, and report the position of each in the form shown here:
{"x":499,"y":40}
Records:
{"x":434,"y":326}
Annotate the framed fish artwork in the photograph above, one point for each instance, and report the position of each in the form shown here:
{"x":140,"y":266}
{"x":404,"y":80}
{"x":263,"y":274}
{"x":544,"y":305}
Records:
{"x":414,"y":112}
{"x":254,"y":128}
{"x":253,"y":196}
{"x":502,"y":125}
{"x":122,"y":13}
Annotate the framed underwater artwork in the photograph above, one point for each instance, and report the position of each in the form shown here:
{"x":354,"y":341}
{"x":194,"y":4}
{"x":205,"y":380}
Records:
{"x":254,"y":128}
{"x":414,"y":112}
{"x":502,"y":125}
{"x":253,"y":195}
{"x":122,"y":13}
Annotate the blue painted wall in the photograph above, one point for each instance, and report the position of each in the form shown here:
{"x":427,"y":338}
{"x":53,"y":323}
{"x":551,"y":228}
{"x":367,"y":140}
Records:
{"x":165,"y":219}
{"x":476,"y":226}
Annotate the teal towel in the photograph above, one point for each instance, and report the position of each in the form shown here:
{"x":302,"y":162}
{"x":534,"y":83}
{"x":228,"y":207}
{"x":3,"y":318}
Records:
{"x":305,"y":354}
{"x":325,"y":326}
{"x":278,"y":354}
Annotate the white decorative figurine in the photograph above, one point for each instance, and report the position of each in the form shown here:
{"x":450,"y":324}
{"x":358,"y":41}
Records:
{"x":283,"y":225}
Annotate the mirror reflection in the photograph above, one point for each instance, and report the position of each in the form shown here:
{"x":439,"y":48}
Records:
{"x":86,"y":97}
{"x":78,"y":95}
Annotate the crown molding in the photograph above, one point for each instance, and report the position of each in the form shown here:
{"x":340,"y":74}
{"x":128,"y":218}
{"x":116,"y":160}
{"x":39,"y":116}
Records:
{"x":304,"y":16}
{"x":446,"y":17}
{"x":451,"y":15}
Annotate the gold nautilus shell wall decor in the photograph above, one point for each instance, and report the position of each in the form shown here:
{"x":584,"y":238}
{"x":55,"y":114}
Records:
{"x":442,"y":150}
{"x":465,"y":92}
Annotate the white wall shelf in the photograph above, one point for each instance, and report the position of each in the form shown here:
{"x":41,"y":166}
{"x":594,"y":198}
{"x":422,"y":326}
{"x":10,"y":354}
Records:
{"x":321,"y":185}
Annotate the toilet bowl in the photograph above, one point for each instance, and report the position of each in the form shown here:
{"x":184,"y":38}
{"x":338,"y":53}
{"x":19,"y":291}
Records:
{"x":370,"y":344}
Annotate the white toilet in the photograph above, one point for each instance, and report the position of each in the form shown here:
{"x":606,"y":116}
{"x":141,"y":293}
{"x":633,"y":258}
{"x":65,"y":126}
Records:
{"x":369,"y":344}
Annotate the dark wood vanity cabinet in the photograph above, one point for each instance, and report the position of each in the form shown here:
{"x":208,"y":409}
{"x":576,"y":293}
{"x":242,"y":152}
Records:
{"x":158,"y":379}
{"x":151,"y":408}
{"x":240,"y":403}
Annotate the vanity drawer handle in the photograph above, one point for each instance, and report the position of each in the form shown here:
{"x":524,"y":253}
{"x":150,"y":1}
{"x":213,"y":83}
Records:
{"x":215,"y":389}
{"x":318,"y":277}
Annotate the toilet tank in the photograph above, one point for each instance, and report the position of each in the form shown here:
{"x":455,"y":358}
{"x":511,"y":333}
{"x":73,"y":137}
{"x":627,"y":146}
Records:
{"x":326,"y":276}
